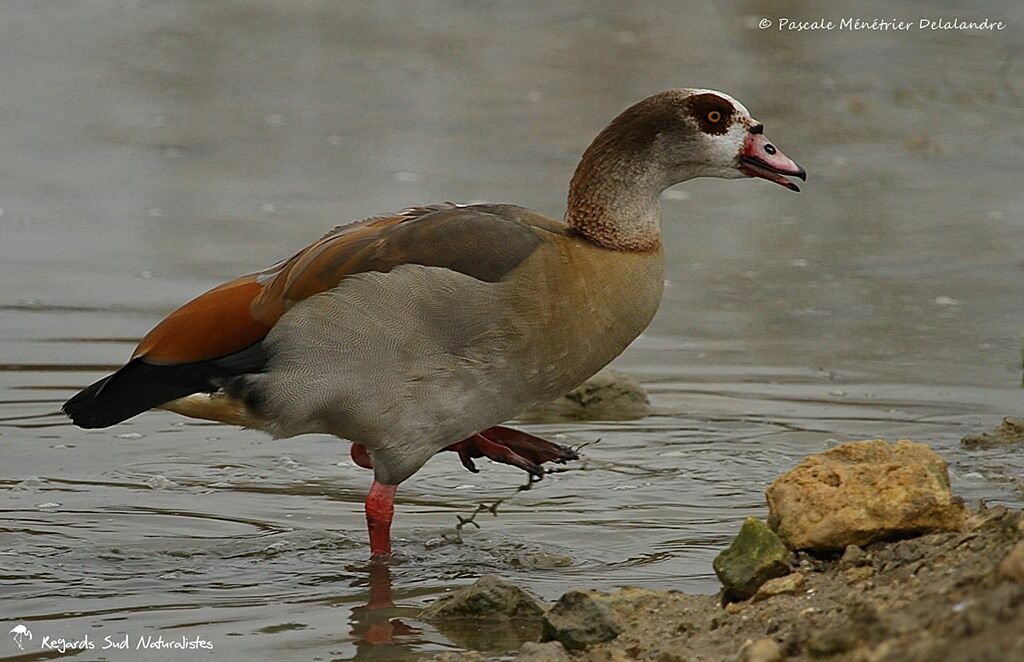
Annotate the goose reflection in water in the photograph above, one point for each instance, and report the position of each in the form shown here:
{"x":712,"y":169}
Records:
{"x":376,"y":624}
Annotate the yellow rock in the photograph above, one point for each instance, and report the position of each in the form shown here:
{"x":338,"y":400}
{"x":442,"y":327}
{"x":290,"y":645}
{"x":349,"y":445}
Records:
{"x":863,"y":491}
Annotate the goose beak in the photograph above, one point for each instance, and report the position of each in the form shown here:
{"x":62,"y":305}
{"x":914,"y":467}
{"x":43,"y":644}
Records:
{"x":760,"y":158}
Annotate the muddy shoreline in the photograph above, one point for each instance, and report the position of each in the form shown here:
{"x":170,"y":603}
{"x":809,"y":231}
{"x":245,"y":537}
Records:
{"x":867,"y":556}
{"x":942,"y":596}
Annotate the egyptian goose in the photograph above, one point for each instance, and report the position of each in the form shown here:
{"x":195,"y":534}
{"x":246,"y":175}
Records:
{"x":421,"y":331}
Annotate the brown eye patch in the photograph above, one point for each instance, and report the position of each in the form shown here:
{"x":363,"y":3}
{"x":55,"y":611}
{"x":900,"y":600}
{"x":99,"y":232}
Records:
{"x":712,"y":113}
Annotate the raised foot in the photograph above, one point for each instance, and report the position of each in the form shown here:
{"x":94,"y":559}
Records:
{"x":514,"y":447}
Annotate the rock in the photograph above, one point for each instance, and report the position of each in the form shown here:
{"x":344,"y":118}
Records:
{"x":986,"y":516}
{"x":607,"y":396}
{"x":764,"y":649}
{"x":550,"y":651}
{"x":755,"y":556}
{"x":859,"y":574}
{"x":614,"y":654}
{"x":853,"y":557}
{"x":861,"y":492}
{"x":489,"y":598}
{"x":1012,"y":566}
{"x":541,"y":560}
{"x":1010,"y":431}
{"x":578,"y":620}
{"x":788,"y":584}
{"x":734,"y":607}
{"x":833,"y":642}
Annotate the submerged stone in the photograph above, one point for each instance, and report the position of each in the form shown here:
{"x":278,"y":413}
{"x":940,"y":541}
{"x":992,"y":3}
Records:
{"x":755,"y":556}
{"x":489,"y":598}
{"x":1007,"y":433}
{"x":607,"y":396}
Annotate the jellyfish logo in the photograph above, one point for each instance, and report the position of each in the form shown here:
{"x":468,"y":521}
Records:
{"x":19,"y":633}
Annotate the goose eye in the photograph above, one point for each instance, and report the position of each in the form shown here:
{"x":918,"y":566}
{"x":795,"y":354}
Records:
{"x":714,"y":117}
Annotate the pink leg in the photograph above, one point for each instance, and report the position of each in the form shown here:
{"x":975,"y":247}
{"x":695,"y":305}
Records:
{"x":380,"y":509}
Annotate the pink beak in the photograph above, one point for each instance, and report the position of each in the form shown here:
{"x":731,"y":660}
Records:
{"x":760,"y":158}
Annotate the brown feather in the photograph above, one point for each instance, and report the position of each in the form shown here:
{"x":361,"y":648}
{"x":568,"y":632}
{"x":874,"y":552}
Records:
{"x":483,"y":241}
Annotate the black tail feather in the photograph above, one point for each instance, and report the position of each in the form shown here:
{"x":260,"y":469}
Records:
{"x":139,"y":386}
{"x":133,"y":389}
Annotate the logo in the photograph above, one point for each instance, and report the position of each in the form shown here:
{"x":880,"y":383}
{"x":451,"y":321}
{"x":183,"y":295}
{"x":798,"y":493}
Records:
{"x":121,"y":641}
{"x":19,"y":633}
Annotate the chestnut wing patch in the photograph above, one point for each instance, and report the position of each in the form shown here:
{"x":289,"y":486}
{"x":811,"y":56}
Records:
{"x":213,"y":324}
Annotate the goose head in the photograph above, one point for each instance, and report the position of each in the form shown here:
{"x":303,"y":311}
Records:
{"x":704,"y":133}
{"x":665,"y":139}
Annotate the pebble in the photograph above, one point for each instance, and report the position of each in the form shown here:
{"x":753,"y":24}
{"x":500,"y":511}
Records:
{"x":859,"y":573}
{"x":832,"y":642}
{"x":550,"y":651}
{"x":853,"y":556}
{"x":789,"y":584}
{"x":764,"y":649}
{"x":1012,"y":566}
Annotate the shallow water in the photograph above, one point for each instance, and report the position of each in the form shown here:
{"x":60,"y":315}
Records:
{"x":153,"y":149}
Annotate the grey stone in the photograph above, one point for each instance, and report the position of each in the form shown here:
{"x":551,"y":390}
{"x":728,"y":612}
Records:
{"x":853,"y":557}
{"x":578,"y":620}
{"x":489,"y":598}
